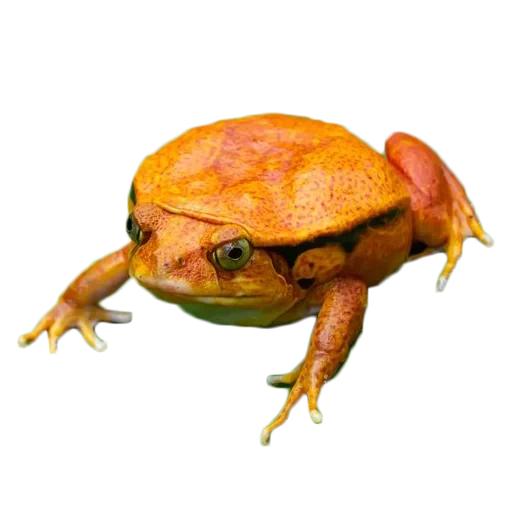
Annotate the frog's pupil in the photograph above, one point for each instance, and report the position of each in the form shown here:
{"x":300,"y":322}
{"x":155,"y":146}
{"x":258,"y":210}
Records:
{"x":129,"y":225}
{"x":235,"y":253}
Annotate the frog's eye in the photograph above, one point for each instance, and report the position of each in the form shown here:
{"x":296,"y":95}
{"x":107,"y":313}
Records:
{"x":133,"y":230}
{"x":233,"y":255}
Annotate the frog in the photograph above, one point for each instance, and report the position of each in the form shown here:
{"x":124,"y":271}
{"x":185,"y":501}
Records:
{"x":267,"y":219}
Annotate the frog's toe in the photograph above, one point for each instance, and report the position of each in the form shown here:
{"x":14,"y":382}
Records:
{"x":487,"y":239}
{"x":265,"y":433}
{"x":279,"y":380}
{"x":100,"y":345}
{"x":113,"y":317}
{"x":23,"y":342}
{"x":54,"y":334}
{"x":274,"y":380}
{"x":286,"y":379}
{"x":30,"y":337}
{"x":441,"y":283}
{"x":316,"y":415}
{"x":265,"y":436}
{"x":90,"y":336}
{"x":293,"y":396}
{"x":312,"y":392}
{"x":86,"y":326}
{"x":55,"y":352}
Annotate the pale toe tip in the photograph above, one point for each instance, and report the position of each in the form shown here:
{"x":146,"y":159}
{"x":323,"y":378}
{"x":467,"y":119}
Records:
{"x":101,"y":347}
{"x":22,"y":341}
{"x":273,"y":379}
{"x":441,"y":284}
{"x":265,"y":437}
{"x":488,"y":240}
{"x":120,"y":317}
{"x":316,"y":416}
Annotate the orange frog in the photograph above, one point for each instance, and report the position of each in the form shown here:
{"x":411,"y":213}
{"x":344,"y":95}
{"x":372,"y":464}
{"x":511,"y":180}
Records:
{"x":266,"y":219}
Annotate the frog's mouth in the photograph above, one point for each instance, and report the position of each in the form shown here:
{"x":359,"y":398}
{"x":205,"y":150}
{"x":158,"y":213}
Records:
{"x":178,"y":293}
{"x":217,"y":300}
{"x":249,"y":309}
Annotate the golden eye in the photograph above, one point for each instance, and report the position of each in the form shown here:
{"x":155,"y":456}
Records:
{"x":133,"y":230}
{"x":233,"y":255}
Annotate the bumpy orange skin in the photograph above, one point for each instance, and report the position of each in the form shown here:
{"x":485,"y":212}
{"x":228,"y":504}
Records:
{"x":442,"y":214}
{"x":430,"y":195}
{"x":322,"y":216}
{"x":278,"y":181}
{"x":284,"y":179}
{"x":176,"y":265}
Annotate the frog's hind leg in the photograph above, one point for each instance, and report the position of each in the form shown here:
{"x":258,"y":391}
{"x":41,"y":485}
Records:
{"x":465,"y":224}
{"x":465,"y":210}
{"x":442,"y":214}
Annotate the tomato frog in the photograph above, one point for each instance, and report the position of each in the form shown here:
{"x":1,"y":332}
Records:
{"x":263,"y":220}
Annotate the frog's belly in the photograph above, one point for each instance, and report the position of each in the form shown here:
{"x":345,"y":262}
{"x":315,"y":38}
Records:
{"x":301,"y":310}
{"x":230,"y":315}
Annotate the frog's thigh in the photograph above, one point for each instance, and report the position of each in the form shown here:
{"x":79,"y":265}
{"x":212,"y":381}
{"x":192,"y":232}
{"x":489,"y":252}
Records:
{"x":442,"y":213}
{"x":340,"y":321}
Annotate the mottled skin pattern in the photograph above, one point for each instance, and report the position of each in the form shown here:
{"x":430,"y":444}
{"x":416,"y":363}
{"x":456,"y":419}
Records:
{"x":267,"y":219}
{"x":274,"y":175}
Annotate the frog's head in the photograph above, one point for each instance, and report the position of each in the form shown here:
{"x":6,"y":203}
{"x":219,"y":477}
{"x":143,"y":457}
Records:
{"x":211,"y":270}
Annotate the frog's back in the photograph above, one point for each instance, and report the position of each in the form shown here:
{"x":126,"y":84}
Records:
{"x":286,"y":179}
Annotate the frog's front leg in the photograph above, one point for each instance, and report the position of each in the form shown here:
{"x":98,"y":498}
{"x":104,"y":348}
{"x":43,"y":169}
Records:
{"x":442,"y":213}
{"x":339,"y":323}
{"x":78,"y":306}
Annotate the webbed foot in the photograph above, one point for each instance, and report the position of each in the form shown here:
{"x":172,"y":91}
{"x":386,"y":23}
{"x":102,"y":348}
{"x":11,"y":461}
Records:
{"x":65,"y":316}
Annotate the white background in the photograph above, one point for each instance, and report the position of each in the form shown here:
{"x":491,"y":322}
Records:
{"x":169,"y":417}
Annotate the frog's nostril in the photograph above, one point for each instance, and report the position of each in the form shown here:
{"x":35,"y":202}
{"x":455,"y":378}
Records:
{"x":180,"y":261}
